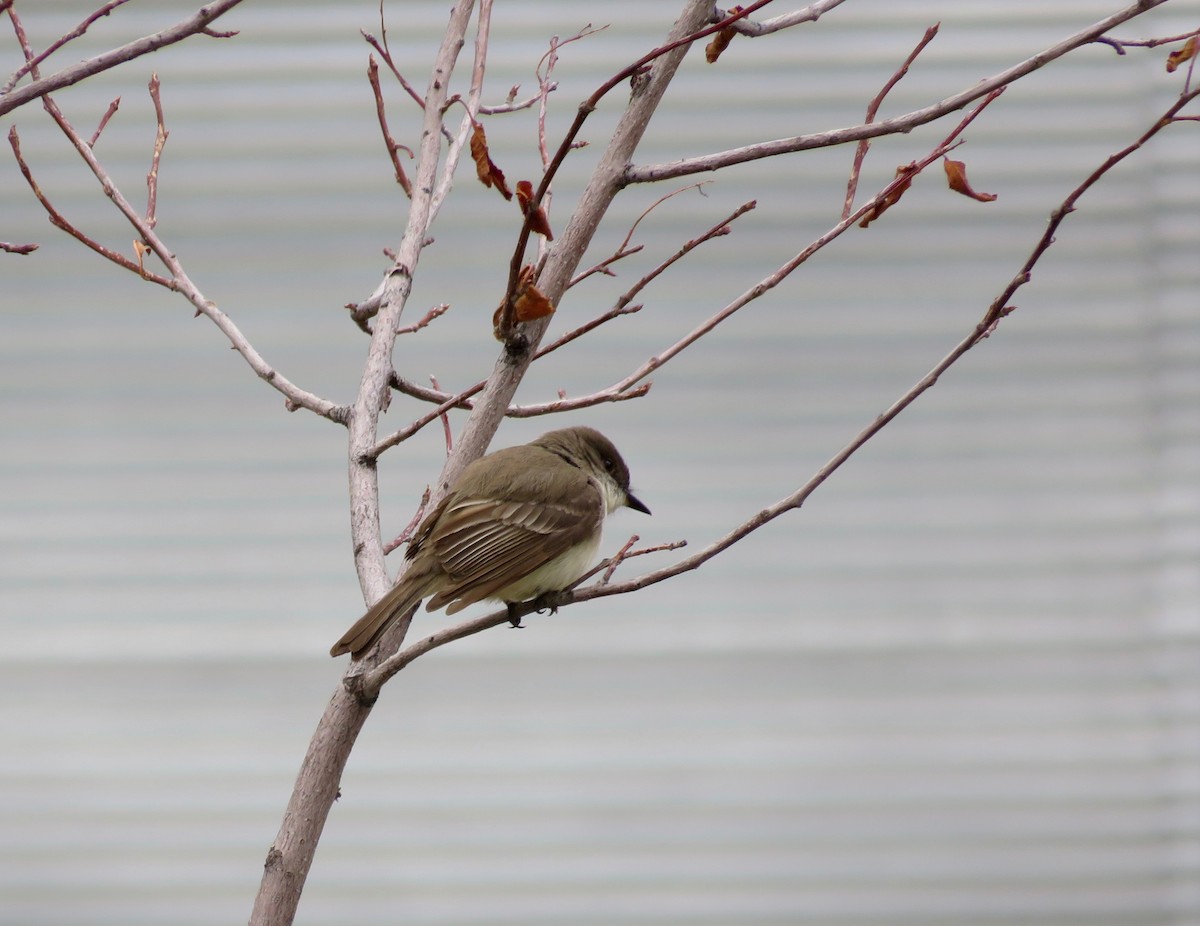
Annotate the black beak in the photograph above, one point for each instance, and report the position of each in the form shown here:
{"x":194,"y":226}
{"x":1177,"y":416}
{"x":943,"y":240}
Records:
{"x":635,"y":504}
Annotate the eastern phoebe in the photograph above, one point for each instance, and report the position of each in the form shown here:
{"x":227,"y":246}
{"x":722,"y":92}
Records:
{"x":518,"y":523}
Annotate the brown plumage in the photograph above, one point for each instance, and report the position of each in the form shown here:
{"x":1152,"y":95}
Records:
{"x":518,"y":523}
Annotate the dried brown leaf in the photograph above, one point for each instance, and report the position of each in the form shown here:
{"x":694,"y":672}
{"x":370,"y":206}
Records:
{"x":528,"y":304}
{"x":1180,"y":55}
{"x":720,"y":41}
{"x":906,"y":173}
{"x":956,"y":175}
{"x":485,"y":168}
{"x":538,"y":223}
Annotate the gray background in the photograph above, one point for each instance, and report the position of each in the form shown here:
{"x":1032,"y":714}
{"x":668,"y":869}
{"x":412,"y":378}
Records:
{"x":959,"y":686}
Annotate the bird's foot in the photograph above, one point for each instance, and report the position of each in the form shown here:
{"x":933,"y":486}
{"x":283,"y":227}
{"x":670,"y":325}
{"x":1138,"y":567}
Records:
{"x":547,"y":601}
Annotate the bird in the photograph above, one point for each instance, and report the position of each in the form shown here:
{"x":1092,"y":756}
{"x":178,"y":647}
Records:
{"x":518,"y":523}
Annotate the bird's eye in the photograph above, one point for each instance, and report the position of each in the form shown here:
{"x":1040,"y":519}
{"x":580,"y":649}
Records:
{"x":609,"y":464}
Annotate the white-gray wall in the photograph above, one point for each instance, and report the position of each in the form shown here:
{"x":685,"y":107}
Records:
{"x":960,"y":686}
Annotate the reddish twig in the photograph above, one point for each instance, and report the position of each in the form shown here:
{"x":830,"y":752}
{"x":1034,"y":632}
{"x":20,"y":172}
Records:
{"x":613,"y":563}
{"x":885,"y":196}
{"x":436,"y":312}
{"x":386,"y":54}
{"x":411,"y":526}
{"x":149,"y":241}
{"x":545,"y":85}
{"x":897,"y":125}
{"x":58,"y":220}
{"x":9,"y":248}
{"x":860,"y":152}
{"x":108,"y":114}
{"x":462,"y":400}
{"x":393,"y":147}
{"x":625,"y":387}
{"x":506,"y":326}
{"x":32,"y":63}
{"x":622,"y":307}
{"x":378,"y":676}
{"x":999,"y":308}
{"x":623,"y":250}
{"x":197,"y":23}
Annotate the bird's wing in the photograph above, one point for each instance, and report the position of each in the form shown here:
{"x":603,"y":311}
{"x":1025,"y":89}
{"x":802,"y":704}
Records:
{"x":485,"y":545}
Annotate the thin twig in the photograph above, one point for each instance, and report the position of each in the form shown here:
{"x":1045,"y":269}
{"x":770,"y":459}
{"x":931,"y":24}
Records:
{"x":436,"y":312}
{"x":625,"y":388}
{"x":860,"y":152}
{"x":108,"y":114}
{"x":1119,"y":45}
{"x":198,"y":23}
{"x":393,"y":147}
{"x":295,"y":397}
{"x":623,"y":249}
{"x":884,"y":196}
{"x":160,"y":140}
{"x":58,"y":220}
{"x":998,"y":309}
{"x":54,"y":46}
{"x":9,"y":248}
{"x":411,"y":526}
{"x":385,"y":53}
{"x":752,"y":29}
{"x":512,"y":106}
{"x":613,"y":394}
{"x":506,"y":326}
{"x":446,"y":434}
{"x":898,"y":125}
{"x":617,"y":558}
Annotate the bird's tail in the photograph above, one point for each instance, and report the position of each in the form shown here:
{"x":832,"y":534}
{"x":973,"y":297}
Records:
{"x":403,"y":597}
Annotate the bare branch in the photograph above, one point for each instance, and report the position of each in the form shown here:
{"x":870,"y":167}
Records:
{"x":528,"y":103}
{"x":9,"y":248}
{"x":447,"y":436}
{"x":58,"y":220}
{"x":899,"y":124}
{"x":884,"y":197}
{"x":147,"y":239}
{"x":860,"y":152}
{"x":999,"y":308}
{"x":612,"y":394}
{"x":291,"y":855}
{"x":752,"y":29}
{"x":160,"y":140}
{"x":474,"y":95}
{"x":1119,"y":45}
{"x":393,"y":147}
{"x":505,"y":328}
{"x":436,"y":312}
{"x":386,"y":54}
{"x":369,"y":681}
{"x":66,"y":37}
{"x":198,"y":23}
{"x":623,"y":249}
{"x":412,"y":524}
{"x":108,"y":114}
